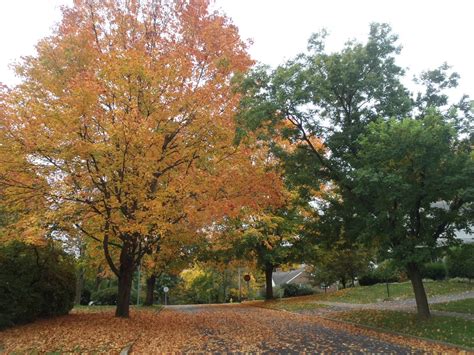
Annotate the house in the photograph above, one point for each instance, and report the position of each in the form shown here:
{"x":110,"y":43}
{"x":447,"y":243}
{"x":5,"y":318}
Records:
{"x":297,"y":277}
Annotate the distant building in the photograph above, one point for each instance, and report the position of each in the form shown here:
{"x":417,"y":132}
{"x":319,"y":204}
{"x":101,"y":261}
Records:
{"x":296,"y":277}
{"x":466,"y":238}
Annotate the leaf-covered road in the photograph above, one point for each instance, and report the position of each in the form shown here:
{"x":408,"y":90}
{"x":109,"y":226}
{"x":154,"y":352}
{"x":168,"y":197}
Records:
{"x":213,"y":328}
{"x":234,"y":328}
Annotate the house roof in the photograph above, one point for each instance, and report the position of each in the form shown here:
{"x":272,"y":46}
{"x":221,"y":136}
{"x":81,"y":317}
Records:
{"x":286,"y":277}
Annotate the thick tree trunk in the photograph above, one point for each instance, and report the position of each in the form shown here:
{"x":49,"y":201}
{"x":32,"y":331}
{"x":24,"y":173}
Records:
{"x":268,"y":281}
{"x":124,"y":284}
{"x":150,"y":290}
{"x":419,"y":290}
{"x":79,"y":286}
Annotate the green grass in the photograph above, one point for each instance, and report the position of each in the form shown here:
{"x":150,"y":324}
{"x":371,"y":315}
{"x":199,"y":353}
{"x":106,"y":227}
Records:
{"x":377,"y":293}
{"x":291,"y":305}
{"x":368,"y":294}
{"x":448,"y":329}
{"x":95,"y":309}
{"x":462,"y":306}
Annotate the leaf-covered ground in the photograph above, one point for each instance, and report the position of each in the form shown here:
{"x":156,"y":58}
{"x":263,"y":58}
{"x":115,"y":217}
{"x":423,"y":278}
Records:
{"x":201,"y":328}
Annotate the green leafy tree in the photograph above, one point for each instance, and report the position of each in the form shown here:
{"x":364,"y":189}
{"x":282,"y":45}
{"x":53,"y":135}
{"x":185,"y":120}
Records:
{"x":269,"y":238}
{"x":417,"y":177}
{"x":316,"y":108}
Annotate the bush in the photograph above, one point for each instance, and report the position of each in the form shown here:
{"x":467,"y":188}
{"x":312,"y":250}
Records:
{"x":292,"y":290}
{"x":108,"y":296}
{"x":434,"y":271}
{"x":387,"y":271}
{"x":34,"y":282}
{"x":460,"y":261}
{"x":369,"y":279}
{"x":85,"y":297}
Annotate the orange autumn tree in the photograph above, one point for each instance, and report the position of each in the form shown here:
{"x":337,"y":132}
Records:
{"x":122,"y":127}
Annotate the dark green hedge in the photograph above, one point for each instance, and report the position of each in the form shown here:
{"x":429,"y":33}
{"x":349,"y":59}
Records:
{"x":386,"y":272}
{"x":108,"y":296}
{"x":434,"y":271}
{"x":293,"y":290}
{"x":460,"y":261}
{"x":34,"y":282}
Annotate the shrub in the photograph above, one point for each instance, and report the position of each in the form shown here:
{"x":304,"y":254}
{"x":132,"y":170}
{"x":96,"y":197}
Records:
{"x":387,"y":271}
{"x":369,"y":279}
{"x":108,"y":296}
{"x":34,"y":282}
{"x":460,"y":261}
{"x":85,"y":297}
{"x":292,"y":290}
{"x":434,"y":271}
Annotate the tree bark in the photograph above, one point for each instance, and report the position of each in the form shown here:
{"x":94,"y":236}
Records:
{"x":268,"y":281}
{"x":343,"y":282}
{"x":422,"y":306}
{"x":125,"y":283}
{"x":150,"y":289}
{"x":79,"y":285}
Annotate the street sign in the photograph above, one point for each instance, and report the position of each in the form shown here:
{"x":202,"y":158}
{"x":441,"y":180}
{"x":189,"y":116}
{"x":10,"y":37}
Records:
{"x":247,"y":278}
{"x":165,"y":289}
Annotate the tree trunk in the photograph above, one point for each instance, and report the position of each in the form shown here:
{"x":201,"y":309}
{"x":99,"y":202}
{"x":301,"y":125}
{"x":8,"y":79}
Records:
{"x":343,"y":282}
{"x":150,"y":290}
{"x":419,"y":290}
{"x":124,"y":284}
{"x":79,"y":286}
{"x":268,"y":281}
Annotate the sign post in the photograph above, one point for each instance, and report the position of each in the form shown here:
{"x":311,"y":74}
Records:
{"x":247,"y":279}
{"x":165,"y":290}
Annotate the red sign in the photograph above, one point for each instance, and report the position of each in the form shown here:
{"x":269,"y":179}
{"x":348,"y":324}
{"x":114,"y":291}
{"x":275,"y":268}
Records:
{"x":247,"y":278}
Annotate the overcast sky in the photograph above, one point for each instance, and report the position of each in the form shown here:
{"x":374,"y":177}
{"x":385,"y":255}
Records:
{"x":431,"y":31}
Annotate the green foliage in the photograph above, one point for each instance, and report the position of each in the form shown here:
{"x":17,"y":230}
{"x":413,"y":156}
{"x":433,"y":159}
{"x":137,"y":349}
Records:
{"x":399,"y":168}
{"x":108,"y":296}
{"x":340,"y":261}
{"x":387,"y":271}
{"x":460,"y":261}
{"x":417,"y":178}
{"x":374,"y":277}
{"x":85,"y":297}
{"x":293,"y":290}
{"x":434,"y":271}
{"x":34,"y":282}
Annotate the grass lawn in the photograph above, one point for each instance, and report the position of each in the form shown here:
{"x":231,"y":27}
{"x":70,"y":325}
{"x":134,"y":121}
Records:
{"x":403,"y":290}
{"x":373,"y":294}
{"x":296,"y":304}
{"x":97,"y":309}
{"x":448,"y":329}
{"x":462,"y":306}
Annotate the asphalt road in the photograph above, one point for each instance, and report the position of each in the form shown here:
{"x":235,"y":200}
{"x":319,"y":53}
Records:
{"x":235,"y":328}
